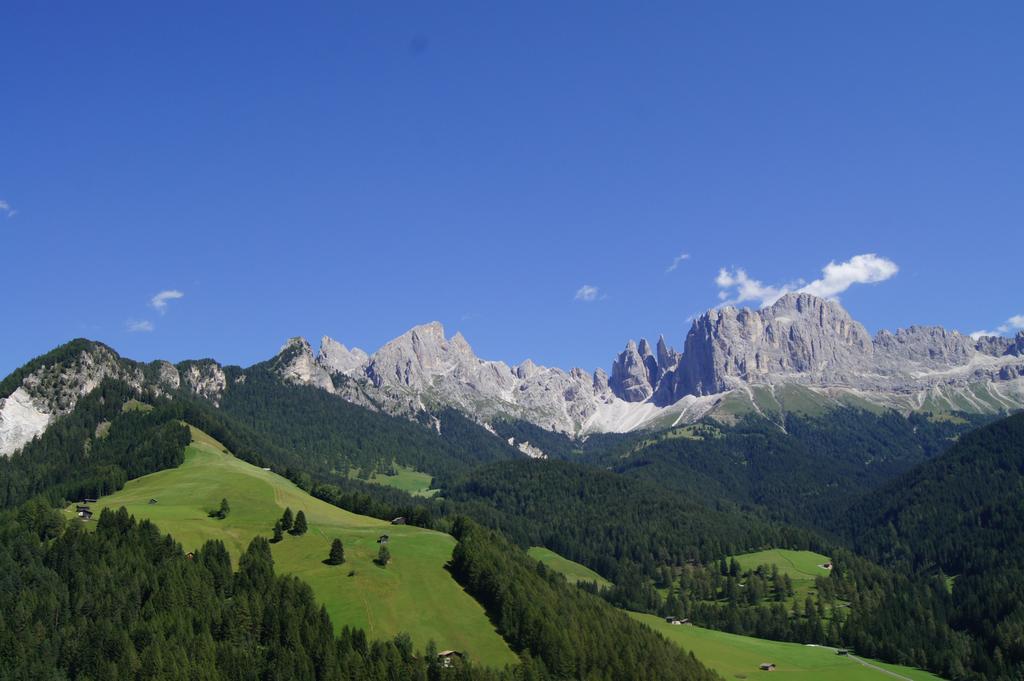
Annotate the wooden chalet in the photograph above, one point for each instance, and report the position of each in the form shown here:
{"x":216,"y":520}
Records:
{"x":767,"y":666}
{"x":449,"y":658}
{"x":400,"y":520}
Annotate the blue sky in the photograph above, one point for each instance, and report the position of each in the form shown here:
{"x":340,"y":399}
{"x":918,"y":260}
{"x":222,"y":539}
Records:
{"x":353,"y":169}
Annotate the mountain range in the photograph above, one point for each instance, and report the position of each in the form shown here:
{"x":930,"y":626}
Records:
{"x":801,"y":354}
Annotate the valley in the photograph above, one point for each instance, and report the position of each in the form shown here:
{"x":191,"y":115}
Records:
{"x":740,"y":657}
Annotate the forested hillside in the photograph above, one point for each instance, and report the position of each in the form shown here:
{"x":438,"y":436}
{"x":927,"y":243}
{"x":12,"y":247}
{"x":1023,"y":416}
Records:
{"x":608,"y":522}
{"x":961,"y":516}
{"x":575,"y":635}
{"x":802,"y":475}
{"x":125,"y":602}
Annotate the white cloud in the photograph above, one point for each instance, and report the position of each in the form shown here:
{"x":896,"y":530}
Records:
{"x":5,"y":209}
{"x":676,"y":261}
{"x":159,"y":301}
{"x":737,"y":286}
{"x":1013,"y":324}
{"x":860,"y":269}
{"x":587,"y":293}
{"x":746,"y":288}
{"x":143,"y":325}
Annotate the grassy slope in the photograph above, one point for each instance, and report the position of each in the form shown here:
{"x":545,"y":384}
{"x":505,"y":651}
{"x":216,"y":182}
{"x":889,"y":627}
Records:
{"x":408,"y":480}
{"x":801,"y":566}
{"x":738,"y":657}
{"x":414,"y":593}
{"x":572,"y":570}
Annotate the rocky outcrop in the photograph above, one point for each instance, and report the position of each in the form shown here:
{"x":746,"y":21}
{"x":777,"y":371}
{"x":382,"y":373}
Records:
{"x":424,"y":369}
{"x":295,"y":363}
{"x":52,"y":389}
{"x":205,"y":378}
{"x":335,"y":358}
{"x":799,"y":336}
{"x":21,"y":420}
{"x":633,"y":373}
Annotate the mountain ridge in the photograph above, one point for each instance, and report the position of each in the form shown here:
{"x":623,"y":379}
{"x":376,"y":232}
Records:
{"x":732,"y":359}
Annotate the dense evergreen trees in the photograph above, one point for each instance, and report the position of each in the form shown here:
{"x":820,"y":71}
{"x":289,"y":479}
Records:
{"x":572,"y":633}
{"x":123,"y":602}
{"x":806,"y":474}
{"x":607,"y":521}
{"x":962,"y":516}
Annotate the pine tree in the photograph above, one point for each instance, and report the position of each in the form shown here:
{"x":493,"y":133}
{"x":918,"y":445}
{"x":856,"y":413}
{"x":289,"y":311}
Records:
{"x":299,"y":527}
{"x":337,"y":555}
{"x":286,"y":520}
{"x":278,"y":533}
{"x":383,"y":556}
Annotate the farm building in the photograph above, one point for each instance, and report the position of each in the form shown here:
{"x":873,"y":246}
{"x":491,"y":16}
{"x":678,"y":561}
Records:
{"x":400,"y":520}
{"x":85,"y":514}
{"x":448,"y":658}
{"x":81,"y":507}
{"x":152,"y":501}
{"x":767,"y":666}
{"x":677,"y":620}
{"x":828,"y":565}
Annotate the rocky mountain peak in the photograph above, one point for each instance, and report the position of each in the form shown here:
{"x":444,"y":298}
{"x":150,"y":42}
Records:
{"x":295,"y":363}
{"x":335,"y":358}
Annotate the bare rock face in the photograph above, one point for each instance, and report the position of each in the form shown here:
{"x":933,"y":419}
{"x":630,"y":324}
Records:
{"x":204,"y":378}
{"x":423,"y":369}
{"x":335,"y":358}
{"x":21,"y":420}
{"x":800,"y":336}
{"x":811,"y":341}
{"x":928,"y":347}
{"x":295,"y":363}
{"x":168,"y":376}
{"x":632,"y":373}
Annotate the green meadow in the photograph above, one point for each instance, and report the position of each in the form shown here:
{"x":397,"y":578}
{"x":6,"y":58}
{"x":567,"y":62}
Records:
{"x":740,"y":657}
{"x":801,"y":566}
{"x":406,"y":479}
{"x":572,"y":570}
{"x":413,"y":594}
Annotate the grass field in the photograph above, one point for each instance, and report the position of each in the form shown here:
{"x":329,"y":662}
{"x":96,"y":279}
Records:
{"x":572,"y":570}
{"x":801,"y":566}
{"x":414,"y":593}
{"x":739,"y":657}
{"x":408,"y":480}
